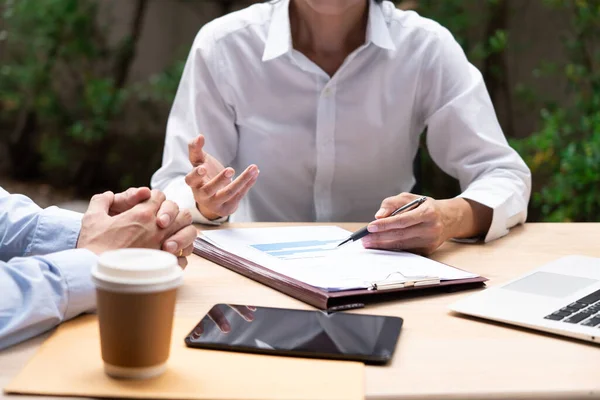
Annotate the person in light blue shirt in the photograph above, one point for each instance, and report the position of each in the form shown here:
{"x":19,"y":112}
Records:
{"x":46,"y":255}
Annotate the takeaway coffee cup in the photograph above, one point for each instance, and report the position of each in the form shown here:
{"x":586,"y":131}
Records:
{"x":136,"y":291}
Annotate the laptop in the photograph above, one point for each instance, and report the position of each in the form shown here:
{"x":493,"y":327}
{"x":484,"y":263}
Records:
{"x":562,"y":297}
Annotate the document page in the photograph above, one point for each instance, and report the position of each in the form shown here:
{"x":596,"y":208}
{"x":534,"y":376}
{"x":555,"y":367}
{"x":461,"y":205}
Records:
{"x":310,"y":254}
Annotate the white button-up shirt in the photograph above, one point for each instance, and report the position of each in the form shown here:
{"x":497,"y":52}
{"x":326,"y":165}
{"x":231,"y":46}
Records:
{"x":332,"y":148}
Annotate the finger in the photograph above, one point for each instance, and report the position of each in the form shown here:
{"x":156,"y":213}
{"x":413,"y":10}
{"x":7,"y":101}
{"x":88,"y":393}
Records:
{"x":394,"y":245}
{"x":101,"y":203}
{"x":154,"y":202}
{"x":125,"y":201}
{"x":197,"y":177}
{"x":167,"y":213}
{"x":195,"y":150}
{"x":386,"y":208}
{"x":243,"y":312}
{"x":397,"y":234}
{"x":218,"y":182}
{"x":390,"y":204}
{"x":401,"y":239}
{"x":181,"y":239}
{"x":182,"y":261}
{"x":219,"y":318}
{"x":231,"y":205}
{"x":406,"y":219}
{"x":239,"y":184}
{"x":417,"y":246}
{"x":188,"y":251}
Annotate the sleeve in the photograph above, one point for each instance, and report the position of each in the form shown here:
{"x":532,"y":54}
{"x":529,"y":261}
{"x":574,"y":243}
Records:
{"x":42,"y":283}
{"x":26,"y":229}
{"x":40,"y":292}
{"x":199,"y":108}
{"x":465,"y":139}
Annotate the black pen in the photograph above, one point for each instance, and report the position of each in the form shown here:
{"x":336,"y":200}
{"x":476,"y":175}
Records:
{"x":364,"y":231}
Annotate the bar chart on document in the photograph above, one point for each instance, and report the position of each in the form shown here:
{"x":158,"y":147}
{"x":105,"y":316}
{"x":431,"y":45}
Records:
{"x":280,"y":244}
{"x":295,"y":250}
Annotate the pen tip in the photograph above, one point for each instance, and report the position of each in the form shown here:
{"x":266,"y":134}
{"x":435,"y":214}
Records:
{"x":344,"y":242}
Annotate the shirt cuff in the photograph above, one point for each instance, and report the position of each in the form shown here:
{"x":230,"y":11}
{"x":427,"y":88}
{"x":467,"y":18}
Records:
{"x":507,"y":210}
{"x":48,"y":238}
{"x":179,"y":192}
{"x":75,"y":267}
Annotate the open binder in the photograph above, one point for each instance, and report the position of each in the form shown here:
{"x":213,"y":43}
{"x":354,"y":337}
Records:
{"x":395,"y":285}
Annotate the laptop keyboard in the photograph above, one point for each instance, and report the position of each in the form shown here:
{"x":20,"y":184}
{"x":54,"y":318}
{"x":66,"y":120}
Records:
{"x":585,"y":311}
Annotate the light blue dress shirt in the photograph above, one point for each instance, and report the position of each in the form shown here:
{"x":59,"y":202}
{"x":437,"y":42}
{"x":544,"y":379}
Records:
{"x":44,"y":279}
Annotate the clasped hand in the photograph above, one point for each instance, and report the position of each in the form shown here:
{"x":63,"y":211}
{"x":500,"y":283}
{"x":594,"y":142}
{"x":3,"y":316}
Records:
{"x":137,"y":218}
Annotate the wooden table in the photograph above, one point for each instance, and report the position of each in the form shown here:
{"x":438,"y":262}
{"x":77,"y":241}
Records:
{"x":439,"y":355}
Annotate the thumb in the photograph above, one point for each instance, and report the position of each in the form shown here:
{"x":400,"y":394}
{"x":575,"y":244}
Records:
{"x":196,"y":151}
{"x":101,"y":203}
{"x":390,"y":204}
{"x":386,"y":208}
{"x":382,"y":212}
{"x":127,"y":200}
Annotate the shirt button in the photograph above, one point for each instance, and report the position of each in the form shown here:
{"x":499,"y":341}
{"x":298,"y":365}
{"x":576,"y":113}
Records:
{"x":327,"y":92}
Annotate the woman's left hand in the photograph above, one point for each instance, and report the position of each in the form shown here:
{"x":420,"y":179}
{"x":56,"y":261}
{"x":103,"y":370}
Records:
{"x":421,"y":230}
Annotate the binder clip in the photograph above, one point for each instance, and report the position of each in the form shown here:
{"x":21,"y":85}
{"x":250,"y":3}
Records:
{"x":403,"y":282}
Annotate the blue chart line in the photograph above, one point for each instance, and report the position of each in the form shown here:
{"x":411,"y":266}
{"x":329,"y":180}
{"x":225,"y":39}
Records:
{"x":302,"y":249}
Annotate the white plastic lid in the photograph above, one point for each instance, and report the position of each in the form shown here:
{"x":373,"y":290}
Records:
{"x":137,"y":270}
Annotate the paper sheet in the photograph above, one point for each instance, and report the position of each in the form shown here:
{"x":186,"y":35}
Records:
{"x":310,"y":254}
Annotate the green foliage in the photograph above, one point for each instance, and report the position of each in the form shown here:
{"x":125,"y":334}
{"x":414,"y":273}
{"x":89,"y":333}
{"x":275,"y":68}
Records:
{"x":63,"y":92}
{"x":162,"y":87}
{"x":564,"y":155}
{"x":462,"y":18}
{"x":55,"y":80}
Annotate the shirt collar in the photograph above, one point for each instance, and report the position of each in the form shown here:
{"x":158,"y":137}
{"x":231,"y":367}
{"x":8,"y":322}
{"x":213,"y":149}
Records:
{"x":378,"y":31}
{"x":279,"y":38}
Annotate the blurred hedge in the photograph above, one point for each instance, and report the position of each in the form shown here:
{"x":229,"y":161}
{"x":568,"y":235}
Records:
{"x":68,"y":112}
{"x":564,"y":154}
{"x":67,"y":103}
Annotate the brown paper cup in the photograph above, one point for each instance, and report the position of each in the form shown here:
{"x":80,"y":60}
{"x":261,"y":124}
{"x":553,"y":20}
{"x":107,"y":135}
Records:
{"x":136,"y":292}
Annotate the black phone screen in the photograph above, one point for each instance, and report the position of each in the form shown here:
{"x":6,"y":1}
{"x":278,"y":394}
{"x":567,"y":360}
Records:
{"x":367,"y":338}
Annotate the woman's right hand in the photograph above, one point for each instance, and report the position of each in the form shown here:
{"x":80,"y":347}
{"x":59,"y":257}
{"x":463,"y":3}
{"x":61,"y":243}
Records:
{"x":215,"y":193}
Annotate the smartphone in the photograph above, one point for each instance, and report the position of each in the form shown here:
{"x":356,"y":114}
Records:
{"x":286,"y":332}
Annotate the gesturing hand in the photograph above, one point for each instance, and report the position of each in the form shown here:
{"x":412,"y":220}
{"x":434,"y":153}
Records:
{"x":215,"y":193}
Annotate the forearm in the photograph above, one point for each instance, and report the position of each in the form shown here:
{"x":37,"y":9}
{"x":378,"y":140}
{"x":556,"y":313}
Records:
{"x":26,"y":229}
{"x":464,"y":218}
{"x":40,"y":292}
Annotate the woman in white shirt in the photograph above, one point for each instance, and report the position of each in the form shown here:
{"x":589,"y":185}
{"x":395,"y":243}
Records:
{"x":329,"y":98}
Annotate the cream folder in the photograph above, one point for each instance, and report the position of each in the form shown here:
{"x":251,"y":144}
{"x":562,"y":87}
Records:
{"x":69,"y":364}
